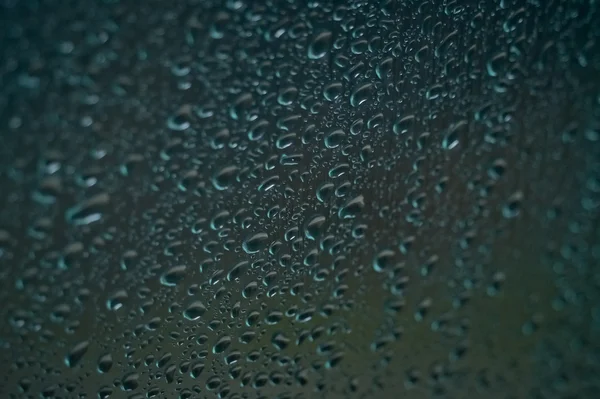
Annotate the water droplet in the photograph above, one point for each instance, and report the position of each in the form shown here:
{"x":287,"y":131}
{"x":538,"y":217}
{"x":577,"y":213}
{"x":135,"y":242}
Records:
{"x":225,"y":177}
{"x":76,"y":353}
{"x":105,"y":363}
{"x":334,"y":138}
{"x":173,"y":276}
{"x":352,"y":208}
{"x":512,"y":208}
{"x":88,"y":211}
{"x":194,"y":310}
{"x":255,"y":243}
{"x":383,"y":260}
{"x":320,"y":45}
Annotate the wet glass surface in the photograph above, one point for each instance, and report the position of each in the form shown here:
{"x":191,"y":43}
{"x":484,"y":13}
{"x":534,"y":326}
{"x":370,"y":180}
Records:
{"x":289,"y":199}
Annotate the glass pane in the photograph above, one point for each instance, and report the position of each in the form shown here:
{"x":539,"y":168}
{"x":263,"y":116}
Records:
{"x":299,"y":199}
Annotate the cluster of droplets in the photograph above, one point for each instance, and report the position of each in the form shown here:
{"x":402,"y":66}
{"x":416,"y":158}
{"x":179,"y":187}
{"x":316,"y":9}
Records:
{"x":239,"y":199}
